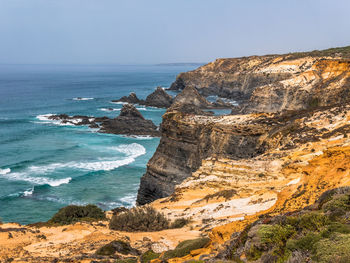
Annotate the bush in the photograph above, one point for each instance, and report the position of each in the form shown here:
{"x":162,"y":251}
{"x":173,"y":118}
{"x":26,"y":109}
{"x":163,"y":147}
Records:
{"x":179,"y":223}
{"x":338,"y":206}
{"x":313,"y":221}
{"x":336,"y":249}
{"x":185,"y":247}
{"x":148,"y":256}
{"x":275,"y":234}
{"x":139,"y":219}
{"x":305,"y":243}
{"x":73,"y":213}
{"x":116,"y":246}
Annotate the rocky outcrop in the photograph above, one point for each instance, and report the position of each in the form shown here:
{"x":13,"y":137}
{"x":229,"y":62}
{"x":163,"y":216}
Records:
{"x":190,"y":96}
{"x":275,"y":82}
{"x":132,"y":98}
{"x":159,"y":98}
{"x":129,"y":122}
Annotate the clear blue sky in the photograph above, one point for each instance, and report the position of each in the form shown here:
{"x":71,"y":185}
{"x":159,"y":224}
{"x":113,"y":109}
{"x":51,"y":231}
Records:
{"x":157,"y":31}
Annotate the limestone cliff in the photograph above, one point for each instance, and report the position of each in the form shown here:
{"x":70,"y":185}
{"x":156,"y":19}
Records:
{"x":275,"y":82}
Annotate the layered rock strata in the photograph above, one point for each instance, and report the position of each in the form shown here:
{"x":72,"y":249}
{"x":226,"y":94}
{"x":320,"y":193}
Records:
{"x":275,"y":82}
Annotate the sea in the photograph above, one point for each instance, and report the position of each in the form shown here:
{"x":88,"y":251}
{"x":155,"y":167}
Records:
{"x":45,"y":165}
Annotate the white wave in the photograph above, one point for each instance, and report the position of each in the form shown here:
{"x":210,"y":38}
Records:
{"x":140,"y":137}
{"x":141,"y":108}
{"x":37,"y":180}
{"x":5,"y":171}
{"x":118,"y":102}
{"x":28,"y":192}
{"x":78,"y":98}
{"x":129,"y":199}
{"x":132,"y":151}
{"x":44,"y":119}
{"x":105,"y":109}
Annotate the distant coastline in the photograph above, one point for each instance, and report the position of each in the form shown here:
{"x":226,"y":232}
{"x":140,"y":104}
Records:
{"x":181,"y":64}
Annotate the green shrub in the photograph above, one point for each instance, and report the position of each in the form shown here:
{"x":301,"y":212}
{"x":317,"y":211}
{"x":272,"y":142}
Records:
{"x":179,"y":223}
{"x":148,"y":256}
{"x":254,"y":253}
{"x":139,"y":219}
{"x":336,"y":249}
{"x":313,"y":221}
{"x":305,"y":243}
{"x":185,"y":247}
{"x":338,"y":206}
{"x":336,"y":227}
{"x":275,"y":234}
{"x":116,"y":246}
{"x":73,"y":213}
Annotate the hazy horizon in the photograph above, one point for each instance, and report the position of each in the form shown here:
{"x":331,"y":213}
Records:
{"x":136,"y":32}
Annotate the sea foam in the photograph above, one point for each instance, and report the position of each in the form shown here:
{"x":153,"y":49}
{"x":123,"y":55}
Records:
{"x":106,"y":109}
{"x":78,"y":98}
{"x":5,"y":171}
{"x":36,"y":180}
{"x":131,"y":152}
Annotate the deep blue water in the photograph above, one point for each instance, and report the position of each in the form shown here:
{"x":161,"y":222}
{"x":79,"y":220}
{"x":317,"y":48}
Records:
{"x":45,"y":166}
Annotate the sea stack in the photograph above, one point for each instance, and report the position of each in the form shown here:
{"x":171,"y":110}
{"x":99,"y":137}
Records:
{"x":130,"y":122}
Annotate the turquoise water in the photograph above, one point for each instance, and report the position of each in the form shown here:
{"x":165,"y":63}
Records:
{"x":45,"y":166}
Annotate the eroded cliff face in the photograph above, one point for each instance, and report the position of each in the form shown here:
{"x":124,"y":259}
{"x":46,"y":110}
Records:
{"x":274,"y":83}
{"x":301,"y":160}
{"x":188,"y":139}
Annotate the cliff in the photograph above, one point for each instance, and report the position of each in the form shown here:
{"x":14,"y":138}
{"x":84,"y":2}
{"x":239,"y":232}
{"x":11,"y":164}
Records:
{"x":275,"y":82}
{"x":233,"y":175}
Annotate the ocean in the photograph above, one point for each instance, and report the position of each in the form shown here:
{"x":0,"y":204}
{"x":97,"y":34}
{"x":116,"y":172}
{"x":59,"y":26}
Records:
{"x":45,"y":165}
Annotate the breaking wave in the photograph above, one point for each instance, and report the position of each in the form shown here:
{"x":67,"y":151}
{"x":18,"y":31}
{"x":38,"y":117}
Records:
{"x":131,"y":152}
{"x":5,"y":171}
{"x":36,"y":180}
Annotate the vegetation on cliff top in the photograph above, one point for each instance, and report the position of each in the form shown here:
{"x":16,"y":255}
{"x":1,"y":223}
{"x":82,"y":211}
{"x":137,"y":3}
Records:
{"x":73,"y":213}
{"x":343,"y":52}
{"x":320,"y":233}
{"x":144,"y":219}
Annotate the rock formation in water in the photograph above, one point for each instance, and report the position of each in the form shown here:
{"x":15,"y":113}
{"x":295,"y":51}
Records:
{"x":129,"y":122}
{"x":132,"y":98}
{"x":159,"y":98}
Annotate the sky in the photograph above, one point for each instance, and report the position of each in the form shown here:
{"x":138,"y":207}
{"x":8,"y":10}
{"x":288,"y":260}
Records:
{"x":165,"y":31}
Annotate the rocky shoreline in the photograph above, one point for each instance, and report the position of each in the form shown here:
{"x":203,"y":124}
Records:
{"x":129,"y":122}
{"x":272,"y":176}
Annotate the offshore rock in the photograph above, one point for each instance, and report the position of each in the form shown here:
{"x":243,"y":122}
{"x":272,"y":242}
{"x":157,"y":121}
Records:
{"x":159,"y":98}
{"x":130,"y":122}
{"x":132,"y":98}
